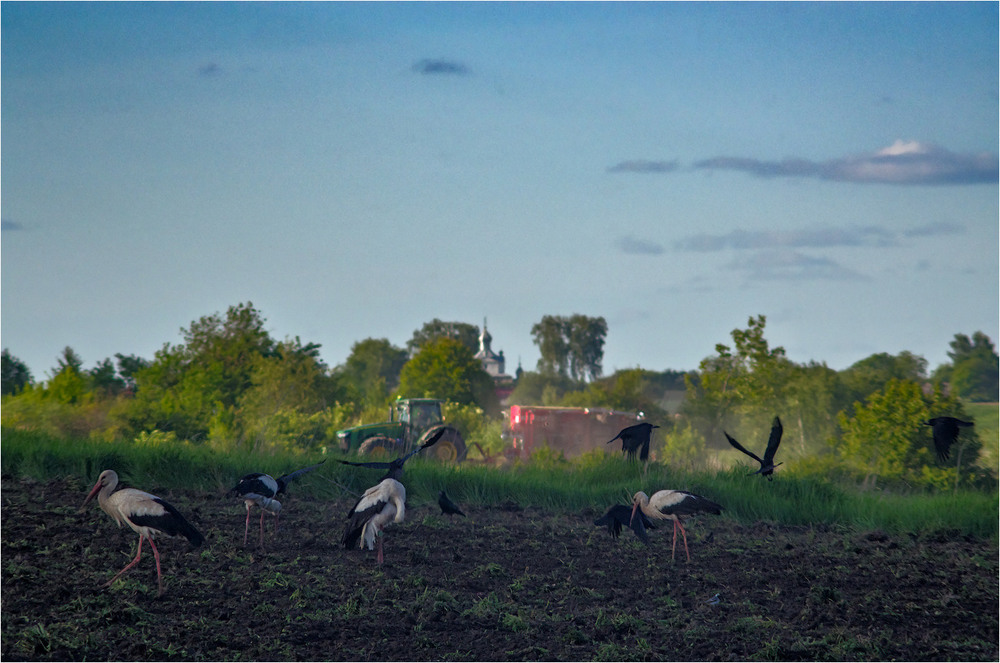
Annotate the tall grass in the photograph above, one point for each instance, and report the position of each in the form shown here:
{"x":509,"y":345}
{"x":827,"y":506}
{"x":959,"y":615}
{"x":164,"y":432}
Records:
{"x":589,"y":484}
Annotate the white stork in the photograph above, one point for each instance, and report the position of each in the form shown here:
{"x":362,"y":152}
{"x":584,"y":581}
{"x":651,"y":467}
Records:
{"x":260,"y":489}
{"x":146,"y":514}
{"x":671,"y":505}
{"x":381,"y":504}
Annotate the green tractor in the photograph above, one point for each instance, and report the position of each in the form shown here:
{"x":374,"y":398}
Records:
{"x":411,"y":421}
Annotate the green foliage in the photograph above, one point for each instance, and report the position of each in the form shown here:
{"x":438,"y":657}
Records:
{"x":14,"y":374}
{"x":592,"y":482}
{"x":975,"y":368}
{"x":873,"y":373}
{"x":463,"y":332}
{"x":446,"y":369}
{"x":683,"y":448}
{"x":740,"y":388}
{"x":886,"y":439}
{"x":572,"y":346}
{"x":373,"y":368}
{"x":627,"y":390}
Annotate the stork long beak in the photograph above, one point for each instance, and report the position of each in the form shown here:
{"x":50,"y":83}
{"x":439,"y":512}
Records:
{"x":635,"y":505}
{"x":93,"y":491}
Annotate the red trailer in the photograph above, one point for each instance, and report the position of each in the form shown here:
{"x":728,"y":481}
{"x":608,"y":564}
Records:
{"x":571,"y":430}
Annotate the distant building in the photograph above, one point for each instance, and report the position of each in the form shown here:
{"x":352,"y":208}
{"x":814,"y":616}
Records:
{"x":494,"y":364}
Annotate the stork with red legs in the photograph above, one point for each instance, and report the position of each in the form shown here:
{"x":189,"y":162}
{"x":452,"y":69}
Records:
{"x":260,"y":489}
{"x":147,"y":515}
{"x":382,"y":504}
{"x":672,"y":505}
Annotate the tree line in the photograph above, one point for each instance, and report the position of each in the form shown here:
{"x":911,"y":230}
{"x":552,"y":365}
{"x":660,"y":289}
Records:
{"x":230,"y":385}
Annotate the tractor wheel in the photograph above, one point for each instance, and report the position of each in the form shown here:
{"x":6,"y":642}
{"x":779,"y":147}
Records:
{"x":450,"y":448}
{"x":379,"y":446}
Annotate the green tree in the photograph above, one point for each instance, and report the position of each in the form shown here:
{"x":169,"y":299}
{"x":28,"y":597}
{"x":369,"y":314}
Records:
{"x":886,"y":440}
{"x":105,"y":380}
{"x":974,"y":370}
{"x":628,"y":390}
{"x":290,"y":391}
{"x":373,"y":369}
{"x":188,"y":386}
{"x":572,"y":346}
{"x":128,"y":367}
{"x":467,"y":334}
{"x":740,"y":388}
{"x":445,"y":368}
{"x":535,"y":388}
{"x":874,"y":372}
{"x":15,"y":373}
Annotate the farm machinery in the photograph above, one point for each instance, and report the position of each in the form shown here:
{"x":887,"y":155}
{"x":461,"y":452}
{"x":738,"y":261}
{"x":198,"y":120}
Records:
{"x":571,"y":430}
{"x":411,"y":422}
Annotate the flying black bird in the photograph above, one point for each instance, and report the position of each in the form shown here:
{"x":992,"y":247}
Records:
{"x":447,"y":506}
{"x":767,"y":463}
{"x":945,"y":433}
{"x":621,"y":515}
{"x":395,"y":467}
{"x":635,"y":438}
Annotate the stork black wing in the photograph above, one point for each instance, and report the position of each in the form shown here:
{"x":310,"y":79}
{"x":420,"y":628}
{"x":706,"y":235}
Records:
{"x":773,"y":441}
{"x":284,"y":479}
{"x":378,"y":465}
{"x":740,"y":447}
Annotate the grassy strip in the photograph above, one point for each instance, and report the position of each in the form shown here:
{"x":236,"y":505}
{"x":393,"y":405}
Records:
{"x":593,"y":482}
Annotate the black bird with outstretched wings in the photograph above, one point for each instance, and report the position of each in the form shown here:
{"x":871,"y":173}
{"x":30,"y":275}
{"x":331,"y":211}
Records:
{"x":395,"y":467}
{"x":635,"y":438}
{"x":620,"y":516}
{"x":945,"y":433}
{"x":767,"y":464}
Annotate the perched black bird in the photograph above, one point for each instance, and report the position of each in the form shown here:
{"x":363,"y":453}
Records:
{"x":447,"y":506}
{"x":635,"y":438}
{"x":945,"y":433}
{"x":767,"y":463}
{"x":395,"y":467}
{"x":262,"y":489}
{"x":621,"y":515}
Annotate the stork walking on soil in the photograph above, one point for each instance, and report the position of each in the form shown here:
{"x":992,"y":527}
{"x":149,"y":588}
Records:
{"x":635,"y":438}
{"x":672,"y":505}
{"x":381,"y":504}
{"x":261,"y":489}
{"x":945,"y":433}
{"x":767,"y":465}
{"x":147,"y":515}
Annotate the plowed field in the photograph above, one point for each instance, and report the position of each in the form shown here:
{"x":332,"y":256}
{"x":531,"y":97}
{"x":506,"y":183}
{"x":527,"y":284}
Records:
{"x":503,"y":584}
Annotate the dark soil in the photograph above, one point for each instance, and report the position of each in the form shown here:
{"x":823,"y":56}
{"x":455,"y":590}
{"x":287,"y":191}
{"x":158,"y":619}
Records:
{"x":502,"y":584}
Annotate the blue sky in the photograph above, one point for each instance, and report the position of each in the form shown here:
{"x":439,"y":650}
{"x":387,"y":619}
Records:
{"x":356,"y":170}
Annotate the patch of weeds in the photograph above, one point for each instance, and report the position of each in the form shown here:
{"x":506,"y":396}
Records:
{"x":35,"y":640}
{"x":433,"y":605}
{"x":824,"y":594}
{"x":487,"y":607}
{"x":491,"y":570}
{"x":273,"y":580}
{"x":514,"y":623}
{"x":575,"y":636}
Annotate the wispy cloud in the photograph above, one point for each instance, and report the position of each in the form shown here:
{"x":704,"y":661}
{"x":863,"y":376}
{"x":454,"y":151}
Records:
{"x":643,"y":166}
{"x":636,"y":246}
{"x":209,"y":69}
{"x":7,"y":225}
{"x":789,"y":265}
{"x":933,"y":229}
{"x":801,"y":238}
{"x":903,"y":162}
{"x":438,"y":66}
